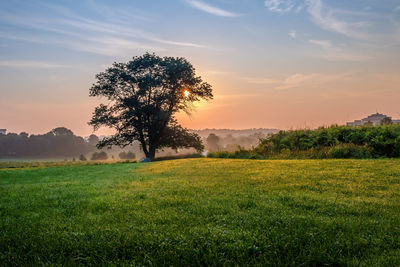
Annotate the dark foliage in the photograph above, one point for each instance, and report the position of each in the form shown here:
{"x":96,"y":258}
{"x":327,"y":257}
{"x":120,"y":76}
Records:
{"x":327,"y":142}
{"x":143,"y":96}
{"x":186,"y":156}
{"x":238,"y":154}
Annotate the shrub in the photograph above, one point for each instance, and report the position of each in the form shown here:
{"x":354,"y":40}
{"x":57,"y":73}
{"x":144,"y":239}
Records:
{"x":346,"y":151}
{"x":326,"y":142}
{"x":220,"y":154}
{"x":187,"y":156}
{"x":240,"y":154}
{"x":99,"y":156}
{"x":335,"y":141}
{"x":127,"y":155}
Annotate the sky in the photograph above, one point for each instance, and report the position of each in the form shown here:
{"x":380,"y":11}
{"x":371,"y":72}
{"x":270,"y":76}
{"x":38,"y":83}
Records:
{"x":273,"y":64}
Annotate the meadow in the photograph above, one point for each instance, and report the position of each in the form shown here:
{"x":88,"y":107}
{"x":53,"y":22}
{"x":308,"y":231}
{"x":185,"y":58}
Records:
{"x":202,"y":212}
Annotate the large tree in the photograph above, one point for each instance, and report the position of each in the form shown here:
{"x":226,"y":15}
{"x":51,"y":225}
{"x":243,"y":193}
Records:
{"x":143,"y":96}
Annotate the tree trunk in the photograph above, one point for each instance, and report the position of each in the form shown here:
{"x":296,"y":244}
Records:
{"x":144,"y":148}
{"x":147,"y":154}
{"x":152,"y":153}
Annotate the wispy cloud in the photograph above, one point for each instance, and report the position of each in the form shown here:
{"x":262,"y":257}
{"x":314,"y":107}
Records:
{"x":298,"y":9}
{"x":21,"y":37}
{"x":292,"y":34}
{"x":125,"y":14}
{"x":105,"y":37}
{"x":321,"y":43}
{"x":296,"y":80}
{"x":119,"y":30}
{"x":211,"y":9}
{"x":293,"y":81}
{"x":29,"y":64}
{"x":324,"y":16}
{"x":312,"y":80}
{"x":260,"y":80}
{"x":340,"y":21}
{"x":280,"y":6}
{"x":344,"y":56}
{"x":331,"y":52}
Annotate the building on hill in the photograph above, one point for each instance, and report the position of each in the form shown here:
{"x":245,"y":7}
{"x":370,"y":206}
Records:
{"x":374,"y":119}
{"x":3,"y":131}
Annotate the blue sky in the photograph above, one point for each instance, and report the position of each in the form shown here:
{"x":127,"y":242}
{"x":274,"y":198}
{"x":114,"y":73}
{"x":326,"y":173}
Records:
{"x":273,"y":63}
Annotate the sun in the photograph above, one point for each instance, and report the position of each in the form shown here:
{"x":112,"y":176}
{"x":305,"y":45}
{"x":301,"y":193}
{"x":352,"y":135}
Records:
{"x":186,"y":93}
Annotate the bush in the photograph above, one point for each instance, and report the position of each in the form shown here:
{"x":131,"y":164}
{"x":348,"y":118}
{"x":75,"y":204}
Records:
{"x":82,"y":158}
{"x":187,"y":156}
{"x":127,"y":155}
{"x":220,"y":154}
{"x":336,"y":141}
{"x":326,"y":142}
{"x":99,"y":156}
{"x":240,"y":154}
{"x":346,"y":151}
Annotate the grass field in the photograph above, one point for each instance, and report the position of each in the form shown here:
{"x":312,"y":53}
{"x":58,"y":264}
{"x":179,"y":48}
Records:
{"x":203,"y":212}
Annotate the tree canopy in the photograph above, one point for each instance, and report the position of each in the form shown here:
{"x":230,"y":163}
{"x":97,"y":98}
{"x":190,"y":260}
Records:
{"x":143,"y":96}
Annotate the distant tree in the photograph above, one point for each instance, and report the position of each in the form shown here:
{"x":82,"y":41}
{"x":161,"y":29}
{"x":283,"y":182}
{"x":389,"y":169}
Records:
{"x":386,"y":121}
{"x":59,"y":142}
{"x":122,"y":155}
{"x":82,"y":158}
{"x":127,"y":155}
{"x":143,"y":96}
{"x":60,"y":131}
{"x":213,"y":142}
{"x":64,"y":142}
{"x":130,"y":155}
{"x":93,"y":140}
{"x":99,"y":156}
{"x":24,"y":135}
{"x":230,"y":139}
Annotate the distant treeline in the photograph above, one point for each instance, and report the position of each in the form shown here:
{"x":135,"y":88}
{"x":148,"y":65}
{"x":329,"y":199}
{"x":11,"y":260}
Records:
{"x":326,"y":142}
{"x":62,"y":143}
{"x":204,"y":133}
{"x":59,"y":142}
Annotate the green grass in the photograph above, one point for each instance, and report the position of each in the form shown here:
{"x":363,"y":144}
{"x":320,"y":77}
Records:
{"x":44,"y":164}
{"x":203,"y":212}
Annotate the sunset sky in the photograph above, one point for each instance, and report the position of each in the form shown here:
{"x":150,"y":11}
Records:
{"x":273,"y":64}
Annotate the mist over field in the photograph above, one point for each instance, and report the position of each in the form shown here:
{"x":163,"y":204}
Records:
{"x":63,"y":144}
